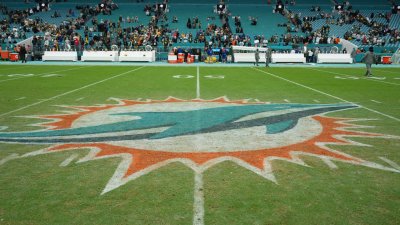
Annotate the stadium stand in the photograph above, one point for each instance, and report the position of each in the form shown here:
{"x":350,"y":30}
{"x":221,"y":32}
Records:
{"x":136,"y":24}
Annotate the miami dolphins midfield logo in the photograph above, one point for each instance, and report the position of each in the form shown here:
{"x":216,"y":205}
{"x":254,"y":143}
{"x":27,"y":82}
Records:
{"x":198,"y":133}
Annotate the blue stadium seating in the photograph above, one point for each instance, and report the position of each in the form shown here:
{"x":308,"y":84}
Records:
{"x":184,"y":9}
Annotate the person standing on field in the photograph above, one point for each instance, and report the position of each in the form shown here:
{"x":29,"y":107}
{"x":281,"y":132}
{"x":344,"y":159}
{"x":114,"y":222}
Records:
{"x":369,"y":58}
{"x":22,"y":54}
{"x":257,"y":55}
{"x":268,"y":57}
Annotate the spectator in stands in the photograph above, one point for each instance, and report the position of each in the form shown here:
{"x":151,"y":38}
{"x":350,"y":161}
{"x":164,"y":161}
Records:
{"x":369,"y":58}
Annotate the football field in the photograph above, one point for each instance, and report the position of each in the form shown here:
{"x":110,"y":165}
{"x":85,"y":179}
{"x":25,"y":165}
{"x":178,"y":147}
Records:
{"x":94,"y":144}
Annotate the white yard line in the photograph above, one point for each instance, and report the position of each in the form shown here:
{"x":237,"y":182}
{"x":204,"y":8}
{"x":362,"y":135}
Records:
{"x":363,"y":78}
{"x":198,"y":83}
{"x":20,"y":98}
{"x":8,"y":158}
{"x":329,"y":163}
{"x":68,"y":160}
{"x":69,"y":92}
{"x":315,"y":100}
{"x":376,"y":101}
{"x":390,"y":162}
{"x":198,"y":206}
{"x":324,"y":93}
{"x":286,"y":100}
{"x":1,"y":81}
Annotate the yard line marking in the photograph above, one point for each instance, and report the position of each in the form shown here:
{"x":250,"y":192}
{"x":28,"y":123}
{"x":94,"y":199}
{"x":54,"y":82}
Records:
{"x":20,"y":98}
{"x":329,"y":163}
{"x":198,"y":206}
{"x":390,"y":162}
{"x":79,"y":99}
{"x":315,"y":100}
{"x":198,"y":83}
{"x":69,"y":92}
{"x":373,"y":79}
{"x":376,"y":101}
{"x":68,"y":160}
{"x":8,"y":158}
{"x":43,"y":74}
{"x":51,"y":75}
{"x":324,"y":93}
{"x":286,"y":100}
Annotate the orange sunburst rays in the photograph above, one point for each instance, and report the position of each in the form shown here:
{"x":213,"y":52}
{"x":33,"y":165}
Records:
{"x":138,"y":161}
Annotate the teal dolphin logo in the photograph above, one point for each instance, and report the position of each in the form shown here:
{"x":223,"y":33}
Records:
{"x":281,"y":117}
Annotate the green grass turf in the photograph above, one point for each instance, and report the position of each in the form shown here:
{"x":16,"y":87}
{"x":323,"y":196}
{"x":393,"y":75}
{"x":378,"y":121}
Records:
{"x":36,"y":190}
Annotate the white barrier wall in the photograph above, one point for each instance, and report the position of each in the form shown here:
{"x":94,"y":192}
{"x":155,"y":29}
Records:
{"x":288,"y":58}
{"x":334,"y":58}
{"x":248,"y":57}
{"x":60,"y":56}
{"x":137,"y":56}
{"x":275,"y":57}
{"x":111,"y":56}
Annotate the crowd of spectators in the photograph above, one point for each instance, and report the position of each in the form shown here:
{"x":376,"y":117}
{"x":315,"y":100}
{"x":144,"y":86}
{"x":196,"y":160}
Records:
{"x":83,"y":30}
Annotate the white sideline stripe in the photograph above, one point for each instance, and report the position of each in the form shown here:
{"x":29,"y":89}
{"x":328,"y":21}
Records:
{"x":363,"y":78}
{"x":68,"y":160}
{"x":198,"y":83}
{"x":8,"y":158}
{"x":324,"y":93}
{"x":376,"y":101}
{"x":43,"y":74}
{"x":69,"y":92}
{"x":390,"y":162}
{"x":198,"y":205}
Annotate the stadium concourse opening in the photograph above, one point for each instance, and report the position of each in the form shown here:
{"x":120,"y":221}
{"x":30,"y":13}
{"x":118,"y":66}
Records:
{"x":190,"y":32}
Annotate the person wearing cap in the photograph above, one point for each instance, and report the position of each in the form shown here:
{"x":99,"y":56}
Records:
{"x":369,"y":58}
